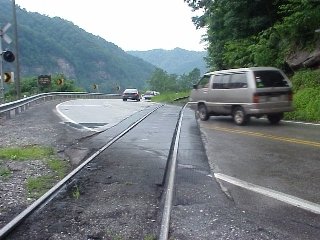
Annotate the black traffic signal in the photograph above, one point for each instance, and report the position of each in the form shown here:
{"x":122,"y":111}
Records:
{"x":8,"y":56}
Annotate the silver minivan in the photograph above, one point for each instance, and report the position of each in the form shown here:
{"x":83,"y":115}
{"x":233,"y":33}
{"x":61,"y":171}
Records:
{"x":242,"y":93}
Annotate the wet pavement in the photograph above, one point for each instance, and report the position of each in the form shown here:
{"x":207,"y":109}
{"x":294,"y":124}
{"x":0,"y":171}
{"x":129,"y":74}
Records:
{"x":203,"y":211}
{"x":203,"y":206}
{"x":122,"y":200}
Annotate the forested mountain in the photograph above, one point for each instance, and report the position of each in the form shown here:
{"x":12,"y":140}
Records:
{"x":56,"y":46}
{"x":176,"y":61}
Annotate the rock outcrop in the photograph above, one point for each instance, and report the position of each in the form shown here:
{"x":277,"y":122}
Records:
{"x":304,"y":59}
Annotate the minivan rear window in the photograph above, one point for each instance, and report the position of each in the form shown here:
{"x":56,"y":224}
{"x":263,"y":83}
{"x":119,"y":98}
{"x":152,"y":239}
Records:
{"x":270,"y":78}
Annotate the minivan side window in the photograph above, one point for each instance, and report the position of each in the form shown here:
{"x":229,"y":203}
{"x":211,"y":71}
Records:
{"x":270,"y":78}
{"x":204,"y":81}
{"x":216,"y":82}
{"x":238,"y":80}
{"x":220,"y":82}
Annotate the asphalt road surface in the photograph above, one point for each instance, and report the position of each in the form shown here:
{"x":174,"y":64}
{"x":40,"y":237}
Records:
{"x":261,"y":181}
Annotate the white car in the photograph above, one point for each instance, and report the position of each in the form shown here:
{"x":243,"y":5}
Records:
{"x":149,"y":94}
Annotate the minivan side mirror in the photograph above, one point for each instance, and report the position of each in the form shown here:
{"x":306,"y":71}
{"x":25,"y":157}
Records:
{"x":195,"y":86}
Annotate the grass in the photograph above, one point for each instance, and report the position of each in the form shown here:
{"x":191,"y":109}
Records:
{"x":171,"y":97}
{"x":5,"y":173}
{"x":58,"y":166}
{"x":36,"y":186}
{"x":25,"y":153}
{"x":150,"y":237}
{"x":76,"y":192}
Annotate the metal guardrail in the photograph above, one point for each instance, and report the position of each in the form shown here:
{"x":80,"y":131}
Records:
{"x":8,"y":110}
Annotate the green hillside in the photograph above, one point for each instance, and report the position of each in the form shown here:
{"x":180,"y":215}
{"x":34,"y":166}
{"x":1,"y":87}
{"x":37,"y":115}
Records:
{"x":177,"y":61}
{"x":56,"y":46}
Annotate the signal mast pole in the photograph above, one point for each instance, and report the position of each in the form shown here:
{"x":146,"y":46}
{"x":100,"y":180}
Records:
{"x":16,"y":50}
{"x":1,"y":70}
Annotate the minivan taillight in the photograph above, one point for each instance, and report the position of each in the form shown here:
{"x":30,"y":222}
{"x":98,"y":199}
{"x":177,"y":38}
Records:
{"x":255,"y":98}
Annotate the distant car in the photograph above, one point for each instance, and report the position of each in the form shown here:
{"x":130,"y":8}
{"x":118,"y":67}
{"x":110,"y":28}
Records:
{"x":150,"y":94}
{"x":131,"y":93}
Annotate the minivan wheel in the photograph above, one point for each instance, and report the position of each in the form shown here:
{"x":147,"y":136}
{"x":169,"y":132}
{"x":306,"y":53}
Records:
{"x":203,"y":112}
{"x":275,"y":118}
{"x":239,"y":116}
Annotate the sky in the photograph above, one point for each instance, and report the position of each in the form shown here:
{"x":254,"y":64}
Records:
{"x":130,"y":24}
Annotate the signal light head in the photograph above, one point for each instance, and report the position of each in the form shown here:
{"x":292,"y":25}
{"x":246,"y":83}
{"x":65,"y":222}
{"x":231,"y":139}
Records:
{"x":8,"y":56}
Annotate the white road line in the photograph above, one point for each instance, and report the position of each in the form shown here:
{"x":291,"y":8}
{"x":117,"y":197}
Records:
{"x":292,"y":200}
{"x":305,"y":123}
{"x":70,"y":120}
{"x":83,"y":105}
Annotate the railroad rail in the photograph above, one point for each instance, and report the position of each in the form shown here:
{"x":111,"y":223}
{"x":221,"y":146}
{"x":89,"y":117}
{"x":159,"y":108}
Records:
{"x":168,"y":180}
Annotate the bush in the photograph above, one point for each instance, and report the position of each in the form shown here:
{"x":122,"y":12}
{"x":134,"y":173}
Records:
{"x":306,"y":79}
{"x":307,"y":105}
{"x":306,"y":98}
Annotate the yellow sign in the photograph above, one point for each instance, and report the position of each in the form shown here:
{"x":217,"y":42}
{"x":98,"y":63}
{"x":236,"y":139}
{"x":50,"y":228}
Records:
{"x":60,"y":81}
{"x":8,"y":77}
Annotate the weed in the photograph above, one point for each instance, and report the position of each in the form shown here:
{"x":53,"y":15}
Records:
{"x":149,"y":237}
{"x":76,"y":192}
{"x":37,"y":186}
{"x":5,"y":173}
{"x":113,"y":236}
{"x":58,"y":166}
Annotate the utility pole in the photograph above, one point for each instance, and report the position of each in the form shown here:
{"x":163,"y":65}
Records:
{"x":16,"y":50}
{"x":5,"y":55}
{"x":1,"y":70}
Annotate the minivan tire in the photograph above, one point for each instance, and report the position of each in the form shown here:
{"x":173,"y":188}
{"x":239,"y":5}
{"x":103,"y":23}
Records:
{"x":275,"y":118}
{"x":239,"y":116}
{"x":203,"y":112}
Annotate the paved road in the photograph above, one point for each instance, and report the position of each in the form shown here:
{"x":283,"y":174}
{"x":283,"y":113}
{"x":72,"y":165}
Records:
{"x":259,"y":168}
{"x":284,"y":158}
{"x":99,"y":114}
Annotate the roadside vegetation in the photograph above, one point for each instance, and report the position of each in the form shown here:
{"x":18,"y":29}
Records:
{"x":29,"y":86}
{"x":264,"y":33}
{"x":306,"y":98}
{"x":35,"y":185}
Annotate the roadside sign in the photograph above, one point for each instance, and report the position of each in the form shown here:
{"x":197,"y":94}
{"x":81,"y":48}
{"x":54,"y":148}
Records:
{"x":44,"y":80}
{"x":6,"y":27}
{"x":3,"y":34}
{"x":7,"y":39}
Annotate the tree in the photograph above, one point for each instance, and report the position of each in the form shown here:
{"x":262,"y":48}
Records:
{"x":232,"y":22}
{"x":161,"y":81}
{"x":185,"y":82}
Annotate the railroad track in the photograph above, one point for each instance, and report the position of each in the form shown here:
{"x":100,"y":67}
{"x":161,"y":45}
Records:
{"x":74,"y":188}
